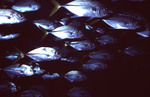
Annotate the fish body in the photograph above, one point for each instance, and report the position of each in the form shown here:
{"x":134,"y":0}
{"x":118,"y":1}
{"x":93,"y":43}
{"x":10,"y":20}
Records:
{"x":52,"y":76}
{"x":101,"y":55}
{"x":9,"y":36}
{"x":26,"y":6}
{"x":93,"y":65}
{"x":19,"y":71}
{"x":43,"y":54}
{"x":46,"y":24}
{"x":67,"y":32}
{"x":75,"y":76}
{"x":133,"y":51}
{"x":30,"y":93}
{"x":83,"y":45}
{"x":123,"y":22}
{"x":78,"y":92}
{"x":83,"y":8}
{"x":107,"y":40}
{"x":9,"y":16}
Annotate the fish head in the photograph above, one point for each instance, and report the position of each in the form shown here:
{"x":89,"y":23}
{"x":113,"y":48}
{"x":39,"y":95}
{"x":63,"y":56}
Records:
{"x":98,"y":11}
{"x":17,"y":18}
{"x":80,"y":34}
{"x":16,"y":70}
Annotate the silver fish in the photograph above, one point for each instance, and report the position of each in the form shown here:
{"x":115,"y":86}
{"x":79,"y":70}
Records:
{"x":83,"y":8}
{"x":78,"y":92}
{"x":133,"y":51}
{"x":52,"y":76}
{"x":19,"y":71}
{"x":67,"y":32}
{"x":30,"y":93}
{"x":9,"y":16}
{"x":71,"y":59}
{"x":83,"y":45}
{"x":75,"y":76}
{"x":8,"y":87}
{"x":93,"y":65}
{"x":26,"y":6}
{"x":46,"y":24}
{"x":107,"y":39}
{"x":101,"y":55}
{"x":43,"y":54}
{"x":38,"y":70}
{"x":9,"y":36}
{"x":123,"y":22}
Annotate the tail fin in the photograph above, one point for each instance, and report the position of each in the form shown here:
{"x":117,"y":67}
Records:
{"x":45,"y":33}
{"x":19,"y":56}
{"x":57,"y":6}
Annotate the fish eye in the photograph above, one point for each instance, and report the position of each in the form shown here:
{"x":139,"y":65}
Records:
{"x":71,"y":33}
{"x":94,"y":9}
{"x":9,"y":17}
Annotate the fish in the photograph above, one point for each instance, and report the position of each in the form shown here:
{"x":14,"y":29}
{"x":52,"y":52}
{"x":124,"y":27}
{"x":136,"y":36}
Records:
{"x":123,"y":22}
{"x":30,"y":93}
{"x":133,"y":51}
{"x":71,"y":59}
{"x":26,"y":6}
{"x":46,"y":24}
{"x":75,"y":76}
{"x":83,"y":8}
{"x":78,"y":92}
{"x":9,"y":16}
{"x":93,"y":65}
{"x":9,"y":36}
{"x":50,"y":76}
{"x":101,"y":54}
{"x":38,"y":70}
{"x":19,"y":70}
{"x":83,"y":45}
{"x":107,"y":39}
{"x":43,"y":54}
{"x":8,"y":87}
{"x":64,"y":32}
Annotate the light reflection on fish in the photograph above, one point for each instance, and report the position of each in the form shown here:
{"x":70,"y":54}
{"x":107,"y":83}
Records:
{"x":19,"y":71}
{"x":9,"y":36}
{"x":75,"y":76}
{"x":9,"y":16}
{"x":78,"y":92}
{"x":123,"y":22}
{"x":71,"y":59}
{"x":83,"y":8}
{"x":46,"y":24}
{"x":43,"y":54}
{"x":93,"y":65}
{"x":50,"y":76}
{"x":82,"y":45}
{"x":67,"y":32}
{"x":26,"y":6}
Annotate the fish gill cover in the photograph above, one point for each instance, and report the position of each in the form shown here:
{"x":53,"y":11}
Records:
{"x":74,"y":48}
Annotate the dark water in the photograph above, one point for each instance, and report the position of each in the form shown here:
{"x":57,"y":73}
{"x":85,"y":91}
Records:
{"x":126,"y":76}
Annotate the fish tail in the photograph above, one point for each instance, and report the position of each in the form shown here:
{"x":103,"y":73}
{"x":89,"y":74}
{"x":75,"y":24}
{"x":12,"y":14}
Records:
{"x":19,"y":56}
{"x":57,"y":6}
{"x":45,"y":33}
